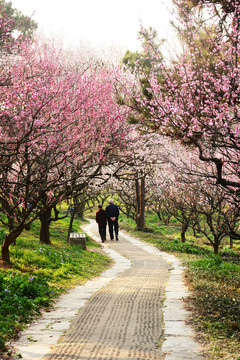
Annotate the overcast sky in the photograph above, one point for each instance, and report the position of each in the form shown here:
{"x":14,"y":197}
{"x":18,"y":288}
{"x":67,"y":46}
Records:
{"x":99,"y":22}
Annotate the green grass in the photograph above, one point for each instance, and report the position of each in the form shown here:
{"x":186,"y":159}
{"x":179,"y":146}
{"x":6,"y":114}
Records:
{"x":41,"y":272}
{"x":216,"y":304}
{"x":22,"y":297}
{"x":213,"y":279}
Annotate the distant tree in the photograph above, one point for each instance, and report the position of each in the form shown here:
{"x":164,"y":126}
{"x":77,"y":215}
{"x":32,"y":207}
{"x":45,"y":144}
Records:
{"x":140,"y":65}
{"x":133,"y":172}
{"x":19,"y":25}
{"x":226,"y":5}
{"x":198,"y":202}
{"x":136,"y":60}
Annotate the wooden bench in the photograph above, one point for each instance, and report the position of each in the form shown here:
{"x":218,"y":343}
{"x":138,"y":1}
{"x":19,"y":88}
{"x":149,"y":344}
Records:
{"x":78,"y":239}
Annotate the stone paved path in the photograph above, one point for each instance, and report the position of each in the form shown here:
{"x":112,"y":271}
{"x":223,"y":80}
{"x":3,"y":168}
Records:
{"x":124,"y":319}
{"x":118,"y":315}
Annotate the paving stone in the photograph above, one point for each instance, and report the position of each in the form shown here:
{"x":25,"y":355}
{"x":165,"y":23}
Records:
{"x":183,"y":343}
{"x":172,"y":313}
{"x":177,"y":328}
{"x":182,"y":355}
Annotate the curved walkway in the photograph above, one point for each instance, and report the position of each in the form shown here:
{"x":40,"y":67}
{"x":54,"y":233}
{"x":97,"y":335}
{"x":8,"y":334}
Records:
{"x":123,"y":319}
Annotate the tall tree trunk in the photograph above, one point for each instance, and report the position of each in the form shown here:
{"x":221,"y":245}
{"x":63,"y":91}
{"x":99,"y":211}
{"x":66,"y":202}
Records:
{"x":230,"y":242}
{"x":183,"y":232}
{"x":45,"y":226}
{"x":140,"y":201}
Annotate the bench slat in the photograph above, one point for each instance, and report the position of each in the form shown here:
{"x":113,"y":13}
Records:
{"x":77,"y":235}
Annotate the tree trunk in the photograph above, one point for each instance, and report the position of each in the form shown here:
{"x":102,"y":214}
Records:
{"x":10,"y":239}
{"x":5,"y":251}
{"x":166,"y":219}
{"x":79,"y":209}
{"x":230,"y":242}
{"x":45,"y":226}
{"x":159,"y":215}
{"x":140,"y":201}
{"x":11,"y":227}
{"x":194,"y":231}
{"x":183,"y":232}
{"x":70,"y":224}
{"x":216,"y":246}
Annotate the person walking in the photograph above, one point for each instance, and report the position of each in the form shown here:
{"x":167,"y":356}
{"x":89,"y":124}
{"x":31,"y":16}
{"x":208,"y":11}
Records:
{"x":101,"y":219}
{"x":112,"y":213}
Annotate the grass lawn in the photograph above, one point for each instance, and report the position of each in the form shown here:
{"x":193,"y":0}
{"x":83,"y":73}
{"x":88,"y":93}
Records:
{"x":214,"y":281}
{"x":39,"y":273}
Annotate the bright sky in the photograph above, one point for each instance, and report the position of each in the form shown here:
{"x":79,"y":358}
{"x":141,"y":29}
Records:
{"x":107,"y":23}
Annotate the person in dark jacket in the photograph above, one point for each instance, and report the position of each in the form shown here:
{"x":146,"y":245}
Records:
{"x":101,"y":219}
{"x":112,"y":213}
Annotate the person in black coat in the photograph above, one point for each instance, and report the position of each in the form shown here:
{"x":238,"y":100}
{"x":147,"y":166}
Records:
{"x":101,"y":219}
{"x":112,"y":213}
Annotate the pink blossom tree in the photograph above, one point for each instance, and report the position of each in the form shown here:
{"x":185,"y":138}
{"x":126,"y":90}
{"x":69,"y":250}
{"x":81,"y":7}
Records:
{"x":195,"y":98}
{"x":57,"y":128}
